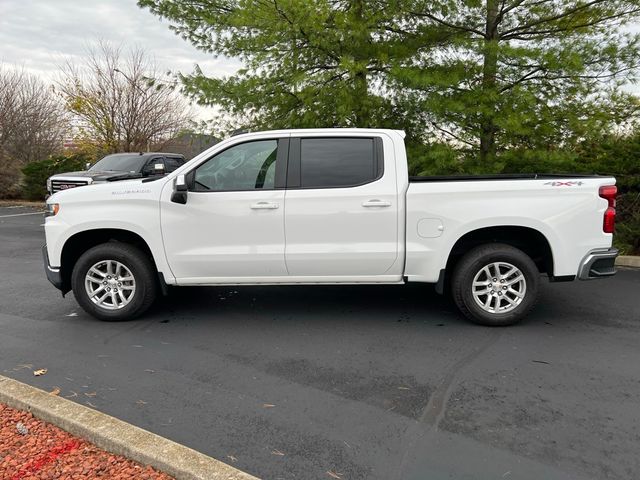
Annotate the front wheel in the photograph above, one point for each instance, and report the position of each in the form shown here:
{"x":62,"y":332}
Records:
{"x":114,"y":281}
{"x":495,"y":285}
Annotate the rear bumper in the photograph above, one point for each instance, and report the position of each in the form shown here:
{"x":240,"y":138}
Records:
{"x":53,"y":274}
{"x":598,"y":264}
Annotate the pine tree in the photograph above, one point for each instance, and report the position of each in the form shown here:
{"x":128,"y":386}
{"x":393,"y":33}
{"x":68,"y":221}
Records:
{"x":495,"y":75}
{"x":306,"y":64}
{"x":488,"y":77}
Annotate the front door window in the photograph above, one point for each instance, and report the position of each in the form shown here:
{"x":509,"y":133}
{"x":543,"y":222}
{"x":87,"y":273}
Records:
{"x":248,"y":166}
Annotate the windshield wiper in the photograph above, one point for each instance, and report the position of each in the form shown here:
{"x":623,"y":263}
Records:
{"x":123,"y":176}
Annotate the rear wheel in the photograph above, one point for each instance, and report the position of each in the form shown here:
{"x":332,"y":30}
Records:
{"x":114,"y":281}
{"x":495,"y":285}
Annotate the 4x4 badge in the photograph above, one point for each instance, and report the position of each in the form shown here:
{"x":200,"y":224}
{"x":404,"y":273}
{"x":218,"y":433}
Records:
{"x":564,"y":184}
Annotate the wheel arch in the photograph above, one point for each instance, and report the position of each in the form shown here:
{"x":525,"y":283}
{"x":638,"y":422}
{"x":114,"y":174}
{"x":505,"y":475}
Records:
{"x":80,"y":242}
{"x":531,"y":241}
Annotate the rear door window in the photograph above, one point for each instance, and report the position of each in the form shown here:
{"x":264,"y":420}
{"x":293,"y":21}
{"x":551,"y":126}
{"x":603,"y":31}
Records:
{"x":338,"y":162}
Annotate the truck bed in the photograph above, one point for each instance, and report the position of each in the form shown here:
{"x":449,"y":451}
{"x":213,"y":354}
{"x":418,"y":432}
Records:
{"x":566,"y":209}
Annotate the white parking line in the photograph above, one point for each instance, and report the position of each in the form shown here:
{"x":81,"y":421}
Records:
{"x":21,"y":214}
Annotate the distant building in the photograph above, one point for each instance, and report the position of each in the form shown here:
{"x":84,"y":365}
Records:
{"x":189,"y":144}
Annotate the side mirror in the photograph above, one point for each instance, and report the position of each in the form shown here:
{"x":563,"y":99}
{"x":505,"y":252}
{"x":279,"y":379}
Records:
{"x":158,"y":169}
{"x":87,"y":165}
{"x":180,"y":189}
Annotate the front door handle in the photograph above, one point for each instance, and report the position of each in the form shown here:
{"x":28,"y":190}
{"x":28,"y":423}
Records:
{"x":376,"y":203}
{"x":264,"y":206}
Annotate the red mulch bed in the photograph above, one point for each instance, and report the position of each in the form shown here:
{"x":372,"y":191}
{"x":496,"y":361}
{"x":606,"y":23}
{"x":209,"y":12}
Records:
{"x":44,"y":452}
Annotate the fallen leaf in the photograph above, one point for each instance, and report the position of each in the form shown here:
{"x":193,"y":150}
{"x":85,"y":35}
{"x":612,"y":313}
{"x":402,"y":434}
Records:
{"x":22,"y":430}
{"x":277,"y":452}
{"x":91,"y":405}
{"x":232,"y":458}
{"x":141,"y":402}
{"x":73,"y":394}
{"x":268,"y":405}
{"x":91,"y":394}
{"x":55,"y":391}
{"x":40,"y":372}
{"x":334,"y":474}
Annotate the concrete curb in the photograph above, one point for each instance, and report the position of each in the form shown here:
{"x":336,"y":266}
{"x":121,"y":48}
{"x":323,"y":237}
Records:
{"x":628,"y":261}
{"x":117,"y":436}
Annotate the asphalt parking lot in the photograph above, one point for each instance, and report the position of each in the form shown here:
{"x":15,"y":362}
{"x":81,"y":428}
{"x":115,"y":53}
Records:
{"x":358,"y":382}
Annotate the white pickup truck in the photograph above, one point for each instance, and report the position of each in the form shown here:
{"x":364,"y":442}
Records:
{"x":327,"y":206}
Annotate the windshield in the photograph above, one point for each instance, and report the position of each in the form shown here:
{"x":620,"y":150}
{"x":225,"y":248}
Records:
{"x":120,"y":163}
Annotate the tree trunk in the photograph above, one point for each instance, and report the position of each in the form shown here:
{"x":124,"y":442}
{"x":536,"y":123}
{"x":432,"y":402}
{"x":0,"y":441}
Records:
{"x":360,"y":81}
{"x":488,"y":127}
{"x":360,"y":98}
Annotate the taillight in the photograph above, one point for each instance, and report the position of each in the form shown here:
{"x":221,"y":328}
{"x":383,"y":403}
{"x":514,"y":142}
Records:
{"x":609,"y":193}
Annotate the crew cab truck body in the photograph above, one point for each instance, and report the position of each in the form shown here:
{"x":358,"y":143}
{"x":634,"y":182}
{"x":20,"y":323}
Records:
{"x":327,"y":206}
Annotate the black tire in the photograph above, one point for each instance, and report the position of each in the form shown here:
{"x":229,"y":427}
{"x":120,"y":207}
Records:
{"x":138,"y":264}
{"x":473,"y":263}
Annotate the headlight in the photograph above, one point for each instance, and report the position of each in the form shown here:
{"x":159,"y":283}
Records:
{"x":49,"y":185}
{"x":51,"y":209}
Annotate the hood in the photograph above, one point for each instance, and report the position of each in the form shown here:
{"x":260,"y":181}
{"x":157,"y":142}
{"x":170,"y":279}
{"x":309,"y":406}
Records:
{"x":98,"y":176}
{"x":109,"y":191}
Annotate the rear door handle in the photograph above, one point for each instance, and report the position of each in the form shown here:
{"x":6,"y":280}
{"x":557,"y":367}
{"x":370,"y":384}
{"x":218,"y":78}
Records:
{"x":264,"y":206}
{"x":376,"y":203}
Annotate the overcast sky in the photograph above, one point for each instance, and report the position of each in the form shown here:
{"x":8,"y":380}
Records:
{"x":39,"y":34}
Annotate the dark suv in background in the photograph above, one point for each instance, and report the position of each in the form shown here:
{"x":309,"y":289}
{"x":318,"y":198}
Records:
{"x":118,"y":166}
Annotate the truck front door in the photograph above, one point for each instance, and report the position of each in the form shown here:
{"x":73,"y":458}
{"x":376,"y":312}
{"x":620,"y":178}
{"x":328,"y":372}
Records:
{"x":232,"y":227}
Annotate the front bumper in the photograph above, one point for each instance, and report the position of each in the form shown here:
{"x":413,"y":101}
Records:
{"x":598,"y":264}
{"x":53,"y":274}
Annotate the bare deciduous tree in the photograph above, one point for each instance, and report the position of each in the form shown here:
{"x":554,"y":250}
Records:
{"x":117,"y":101}
{"x":32,"y":124}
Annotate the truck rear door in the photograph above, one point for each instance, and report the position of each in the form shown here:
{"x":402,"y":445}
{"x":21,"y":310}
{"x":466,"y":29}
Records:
{"x":341,"y":207}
